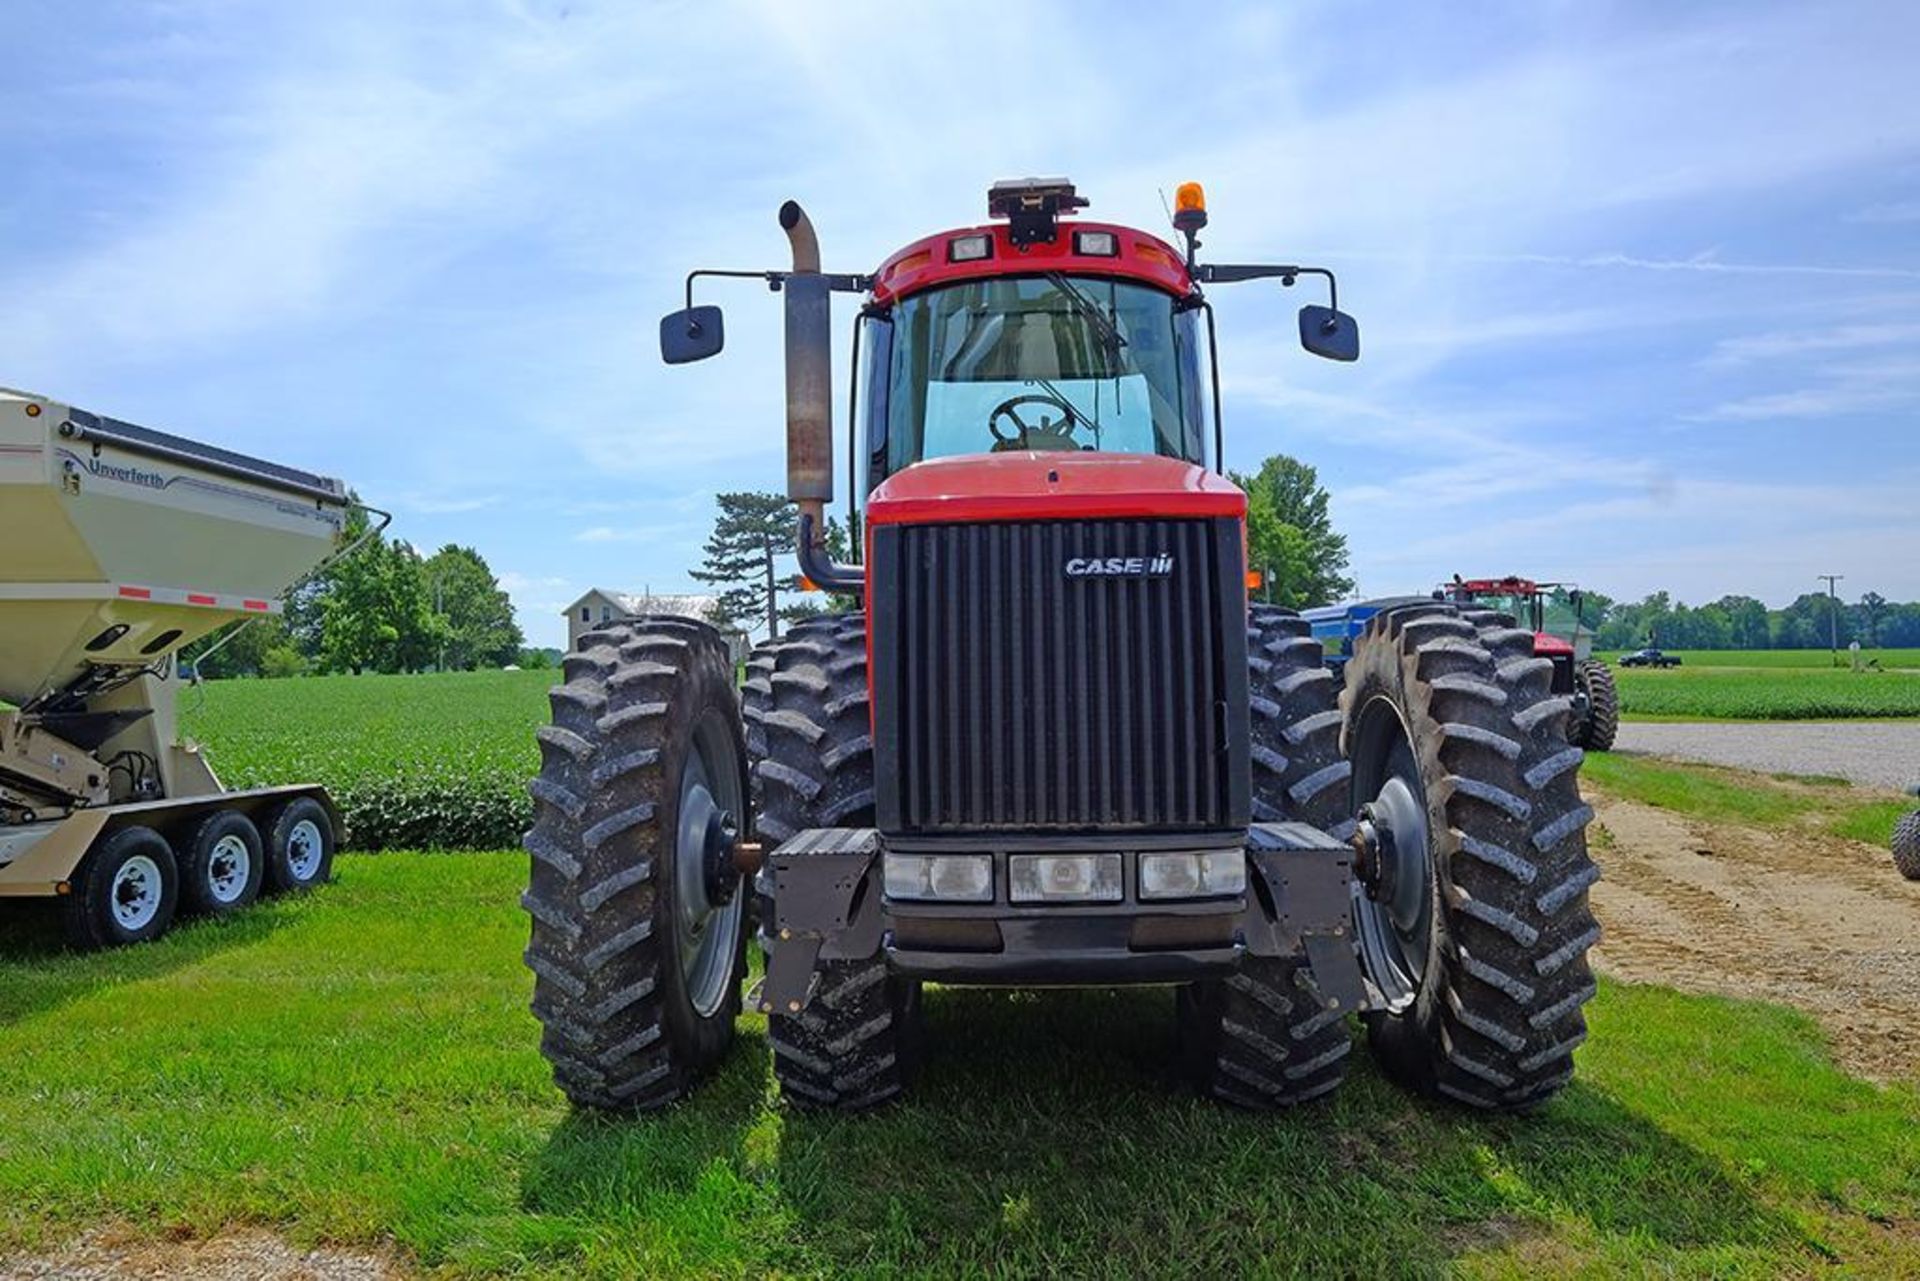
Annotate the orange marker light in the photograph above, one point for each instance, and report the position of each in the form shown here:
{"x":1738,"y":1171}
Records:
{"x":1189,"y":196}
{"x":1255,"y":580}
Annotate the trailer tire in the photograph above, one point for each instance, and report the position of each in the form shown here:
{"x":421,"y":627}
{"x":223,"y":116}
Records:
{"x":1601,"y":725}
{"x":126,"y":890}
{"x":222,"y":864}
{"x":1262,"y":1038}
{"x":1476,"y":925}
{"x":856,"y":1044}
{"x":1906,"y":845}
{"x":299,"y":841}
{"x":638,"y":934}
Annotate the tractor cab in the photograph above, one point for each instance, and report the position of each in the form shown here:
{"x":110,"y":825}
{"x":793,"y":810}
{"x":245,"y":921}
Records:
{"x":1552,"y":612}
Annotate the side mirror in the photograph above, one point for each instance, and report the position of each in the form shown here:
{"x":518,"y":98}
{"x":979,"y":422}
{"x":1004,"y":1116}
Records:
{"x":693,"y":334}
{"x":1329,"y":333}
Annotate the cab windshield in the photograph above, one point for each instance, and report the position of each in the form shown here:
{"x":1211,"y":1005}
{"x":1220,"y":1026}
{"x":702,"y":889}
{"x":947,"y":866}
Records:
{"x":1048,"y":362}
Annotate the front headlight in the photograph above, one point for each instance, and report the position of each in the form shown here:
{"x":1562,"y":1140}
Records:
{"x":1193,"y":874}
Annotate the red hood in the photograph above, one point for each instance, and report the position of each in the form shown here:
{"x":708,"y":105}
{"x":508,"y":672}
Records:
{"x":1046,"y":485}
{"x":1545,"y":646}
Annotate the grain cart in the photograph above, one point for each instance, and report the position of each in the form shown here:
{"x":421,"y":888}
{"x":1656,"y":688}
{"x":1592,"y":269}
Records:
{"x":1057,"y":745}
{"x":1576,"y":672}
{"x":118,"y":546}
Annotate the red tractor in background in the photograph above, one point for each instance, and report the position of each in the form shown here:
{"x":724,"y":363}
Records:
{"x":1576,"y":673}
{"x":1056,"y":745}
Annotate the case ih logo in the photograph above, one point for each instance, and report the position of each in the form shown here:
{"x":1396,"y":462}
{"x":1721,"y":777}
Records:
{"x":1158,"y":565}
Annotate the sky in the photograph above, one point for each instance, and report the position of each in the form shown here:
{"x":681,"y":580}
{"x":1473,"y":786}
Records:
{"x":1638,"y":284}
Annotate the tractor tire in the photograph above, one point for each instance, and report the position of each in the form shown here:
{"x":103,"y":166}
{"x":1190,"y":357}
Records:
{"x":810,"y":741}
{"x":638,"y":941}
{"x":1262,"y":1038}
{"x":125,"y":890}
{"x":1906,"y":845}
{"x":1601,"y":725}
{"x":222,"y":864}
{"x":1475,"y":925}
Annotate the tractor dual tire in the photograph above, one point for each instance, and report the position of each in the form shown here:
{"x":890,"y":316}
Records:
{"x":856,"y":1044}
{"x":1479,"y":933}
{"x":637,"y":1002}
{"x":126,"y":890}
{"x":1906,"y":845}
{"x":1262,"y":1038}
{"x":1596,"y":730}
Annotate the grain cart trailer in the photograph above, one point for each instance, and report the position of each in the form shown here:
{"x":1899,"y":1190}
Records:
{"x":119,"y":545}
{"x":1057,"y":744}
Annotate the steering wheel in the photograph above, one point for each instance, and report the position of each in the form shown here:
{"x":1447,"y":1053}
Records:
{"x":1060,"y":433}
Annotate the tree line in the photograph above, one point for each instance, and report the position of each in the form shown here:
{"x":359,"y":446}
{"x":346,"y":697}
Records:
{"x":384,"y":608}
{"x":1812,"y":621}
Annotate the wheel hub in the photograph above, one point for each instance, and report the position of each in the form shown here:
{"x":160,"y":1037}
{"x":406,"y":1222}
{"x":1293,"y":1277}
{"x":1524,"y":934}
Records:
{"x":1393,"y":902}
{"x":705,"y":882}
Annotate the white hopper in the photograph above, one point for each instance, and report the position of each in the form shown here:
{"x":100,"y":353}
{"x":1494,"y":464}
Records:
{"x":119,"y":545}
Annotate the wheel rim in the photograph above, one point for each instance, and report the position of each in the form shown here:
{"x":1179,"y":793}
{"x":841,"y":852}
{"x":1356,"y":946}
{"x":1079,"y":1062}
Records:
{"x":136,"y":893}
{"x":229,"y":867}
{"x":305,"y":848}
{"x":1393,"y":920}
{"x":708,"y":933}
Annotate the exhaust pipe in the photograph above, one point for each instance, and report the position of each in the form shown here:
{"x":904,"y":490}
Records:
{"x":809,"y":324}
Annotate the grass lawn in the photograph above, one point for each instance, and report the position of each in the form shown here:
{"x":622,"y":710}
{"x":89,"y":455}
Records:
{"x":359,"y":1065}
{"x":1736,"y":796}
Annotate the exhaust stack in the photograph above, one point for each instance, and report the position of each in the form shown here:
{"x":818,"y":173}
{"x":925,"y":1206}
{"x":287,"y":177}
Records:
{"x":809,"y":336}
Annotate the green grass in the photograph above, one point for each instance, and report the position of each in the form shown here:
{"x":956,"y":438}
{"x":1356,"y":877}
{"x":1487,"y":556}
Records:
{"x":358,"y":1066}
{"x":1734,"y":796}
{"x":435,"y":761}
{"x":1888,"y":658}
{"x":1772,"y":693}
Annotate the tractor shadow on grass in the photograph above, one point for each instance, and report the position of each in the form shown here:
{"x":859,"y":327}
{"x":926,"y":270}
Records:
{"x":39,"y":972}
{"x":1057,"y":1113}
{"x":1047,"y":1133}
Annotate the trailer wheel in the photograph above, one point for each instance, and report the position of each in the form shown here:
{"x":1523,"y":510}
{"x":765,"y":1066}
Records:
{"x":1262,"y":1038}
{"x":1599,"y":727}
{"x":1475,"y":925}
{"x":638,"y":936}
{"x":221,"y":864}
{"x":299,"y":841}
{"x":126,"y":891}
{"x":856,"y":1044}
{"x":1906,"y":845}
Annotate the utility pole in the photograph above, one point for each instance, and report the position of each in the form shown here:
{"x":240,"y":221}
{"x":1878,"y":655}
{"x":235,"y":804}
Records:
{"x":1833,"y":615}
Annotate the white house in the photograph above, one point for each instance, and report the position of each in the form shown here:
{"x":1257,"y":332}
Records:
{"x":601,"y":606}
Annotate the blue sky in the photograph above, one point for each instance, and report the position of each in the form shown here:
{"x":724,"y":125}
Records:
{"x":1639,"y":284}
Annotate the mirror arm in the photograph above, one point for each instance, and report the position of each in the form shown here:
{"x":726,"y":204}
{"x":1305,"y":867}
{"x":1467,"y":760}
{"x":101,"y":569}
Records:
{"x":844,"y":283}
{"x":1228,"y":274}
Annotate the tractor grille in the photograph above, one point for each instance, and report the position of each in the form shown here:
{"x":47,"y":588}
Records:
{"x":1010,"y":694}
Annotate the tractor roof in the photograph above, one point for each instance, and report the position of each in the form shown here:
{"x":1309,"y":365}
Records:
{"x":938,"y":260}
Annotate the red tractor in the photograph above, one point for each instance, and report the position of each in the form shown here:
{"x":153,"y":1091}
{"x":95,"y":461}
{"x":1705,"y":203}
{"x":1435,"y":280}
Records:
{"x":1577,"y":675}
{"x":1057,"y":745}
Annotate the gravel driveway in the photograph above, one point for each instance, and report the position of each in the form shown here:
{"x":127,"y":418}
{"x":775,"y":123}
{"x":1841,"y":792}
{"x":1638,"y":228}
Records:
{"x":1868,"y":753}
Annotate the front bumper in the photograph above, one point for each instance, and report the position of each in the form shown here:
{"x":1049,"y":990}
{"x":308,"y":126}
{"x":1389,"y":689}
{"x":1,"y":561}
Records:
{"x":828,"y":904}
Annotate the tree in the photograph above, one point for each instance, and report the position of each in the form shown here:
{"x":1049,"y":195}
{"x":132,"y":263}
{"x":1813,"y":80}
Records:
{"x":752,"y":529}
{"x":477,"y":616}
{"x":1290,"y":534}
{"x":375,"y":613}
